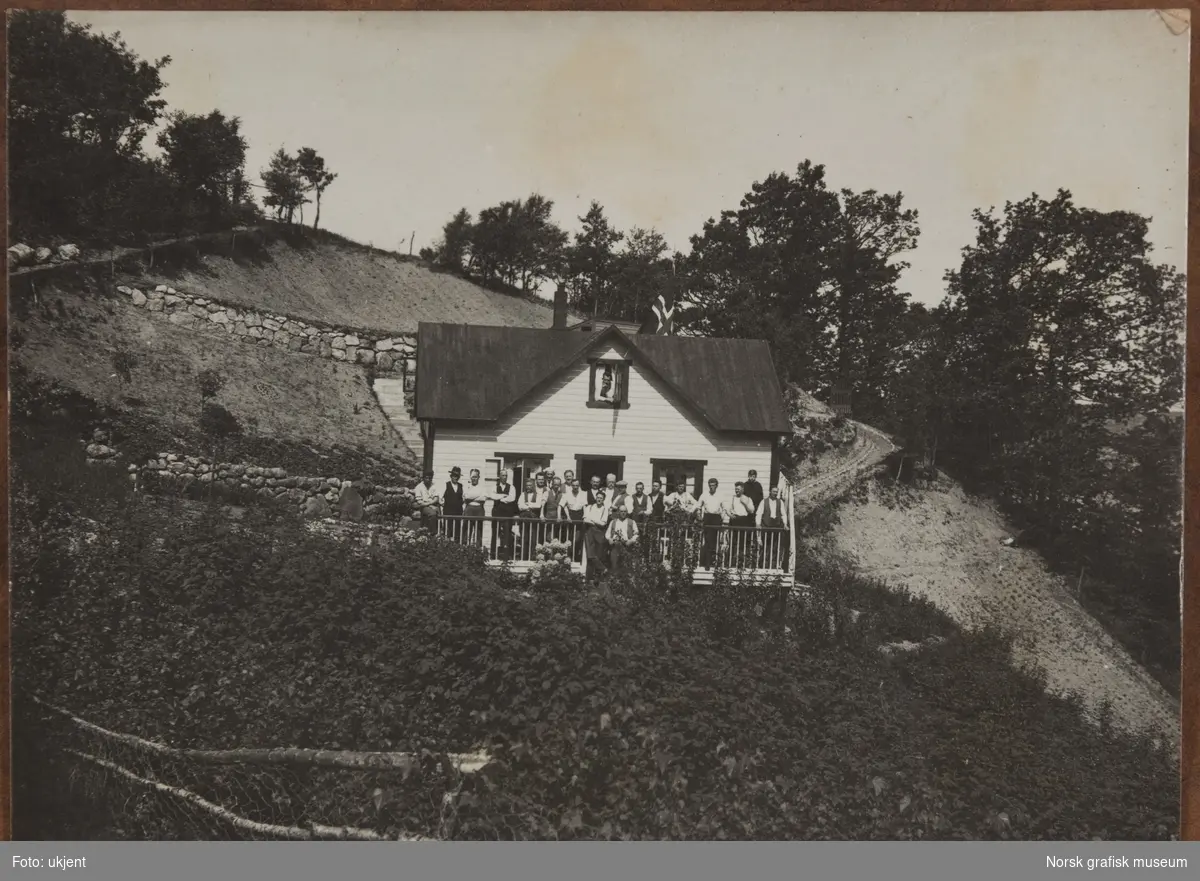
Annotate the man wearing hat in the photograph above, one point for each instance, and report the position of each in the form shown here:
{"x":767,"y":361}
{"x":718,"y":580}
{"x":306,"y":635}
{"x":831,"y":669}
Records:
{"x":620,"y":499}
{"x":427,"y":502}
{"x":452,"y":502}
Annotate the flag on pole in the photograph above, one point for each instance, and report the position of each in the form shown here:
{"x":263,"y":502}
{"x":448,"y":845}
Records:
{"x":662,"y":312}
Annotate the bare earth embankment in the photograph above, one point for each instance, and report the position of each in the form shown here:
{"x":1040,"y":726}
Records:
{"x":946,"y":547}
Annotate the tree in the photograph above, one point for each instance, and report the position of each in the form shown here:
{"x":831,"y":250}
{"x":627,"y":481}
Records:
{"x":286,"y":187}
{"x":79,"y":106}
{"x":453,"y":249}
{"x":311,"y":168}
{"x":1058,"y":328}
{"x":590,"y":263}
{"x":207,"y":156}
{"x":813,"y":271}
{"x":517,"y":243}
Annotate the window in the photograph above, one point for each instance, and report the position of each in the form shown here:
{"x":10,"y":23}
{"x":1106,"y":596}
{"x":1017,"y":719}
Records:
{"x":522,"y":465}
{"x":609,"y":384}
{"x":492,"y":470}
{"x":672,"y":472}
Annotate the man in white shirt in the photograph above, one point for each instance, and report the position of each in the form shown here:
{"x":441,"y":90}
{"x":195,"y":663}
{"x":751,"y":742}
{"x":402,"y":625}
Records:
{"x":741,"y":514}
{"x":713,"y":515}
{"x":428,"y":502}
{"x":474,"y":495}
{"x":622,"y":534}
{"x":681,"y":500}
{"x":595,"y":518}
{"x":574,"y":502}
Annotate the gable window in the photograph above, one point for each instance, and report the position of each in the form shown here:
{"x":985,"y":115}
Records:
{"x":609,"y":384}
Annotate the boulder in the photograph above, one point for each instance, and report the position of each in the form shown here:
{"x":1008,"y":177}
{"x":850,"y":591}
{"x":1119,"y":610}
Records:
{"x":271,"y":324}
{"x":163,"y":289}
{"x":20,"y":255}
{"x":169,"y":299}
{"x":339,"y":342}
{"x":383,"y":345}
{"x":42,"y":255}
{"x":352,"y":340}
{"x":139,"y":299}
{"x":68,"y":252}
{"x":218,"y":318}
{"x":384,"y":360}
{"x":365,"y":356}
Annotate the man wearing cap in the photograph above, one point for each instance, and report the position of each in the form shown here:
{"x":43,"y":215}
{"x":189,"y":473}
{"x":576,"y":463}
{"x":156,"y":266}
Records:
{"x":452,"y":503}
{"x":427,"y":502}
{"x":620,"y":498}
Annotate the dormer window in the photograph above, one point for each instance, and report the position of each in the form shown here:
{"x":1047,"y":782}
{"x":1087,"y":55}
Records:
{"x":609,"y":384}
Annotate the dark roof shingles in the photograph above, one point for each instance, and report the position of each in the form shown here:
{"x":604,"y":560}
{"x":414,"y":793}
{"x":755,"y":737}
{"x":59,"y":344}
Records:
{"x":476,"y":373}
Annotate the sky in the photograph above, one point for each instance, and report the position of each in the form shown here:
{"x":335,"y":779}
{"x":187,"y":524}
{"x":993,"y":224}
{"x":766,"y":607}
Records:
{"x":667,"y":119}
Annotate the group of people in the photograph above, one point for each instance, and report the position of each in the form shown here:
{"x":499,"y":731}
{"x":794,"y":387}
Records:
{"x":605,"y":519}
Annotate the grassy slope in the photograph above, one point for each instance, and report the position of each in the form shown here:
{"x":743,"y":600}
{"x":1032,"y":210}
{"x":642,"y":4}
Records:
{"x":944,"y":546}
{"x":281,"y":395}
{"x":327,"y":279}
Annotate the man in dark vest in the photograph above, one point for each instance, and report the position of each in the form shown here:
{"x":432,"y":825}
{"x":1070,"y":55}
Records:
{"x":452,"y":504}
{"x":504,"y":512}
{"x":774,"y":515}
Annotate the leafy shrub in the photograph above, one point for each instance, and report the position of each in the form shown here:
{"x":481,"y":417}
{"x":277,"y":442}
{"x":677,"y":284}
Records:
{"x":623,"y":720}
{"x":216,"y":421}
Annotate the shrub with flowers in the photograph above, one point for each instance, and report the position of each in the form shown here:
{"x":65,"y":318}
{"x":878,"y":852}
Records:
{"x":552,"y":565}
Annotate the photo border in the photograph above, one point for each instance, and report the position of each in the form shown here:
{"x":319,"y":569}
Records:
{"x":1190,"y":636}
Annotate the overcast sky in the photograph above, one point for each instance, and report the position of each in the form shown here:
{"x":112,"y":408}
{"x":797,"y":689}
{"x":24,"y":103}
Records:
{"x":668,"y":118}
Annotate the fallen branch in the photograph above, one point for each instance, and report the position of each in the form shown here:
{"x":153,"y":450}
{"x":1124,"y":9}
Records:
{"x":295,"y":833}
{"x":465,"y":763}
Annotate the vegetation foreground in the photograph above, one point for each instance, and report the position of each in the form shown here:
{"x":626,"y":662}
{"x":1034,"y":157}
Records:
{"x":634,"y":712}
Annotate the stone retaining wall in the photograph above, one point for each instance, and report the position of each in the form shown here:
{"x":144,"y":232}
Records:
{"x":313,"y":496}
{"x":387,"y":355}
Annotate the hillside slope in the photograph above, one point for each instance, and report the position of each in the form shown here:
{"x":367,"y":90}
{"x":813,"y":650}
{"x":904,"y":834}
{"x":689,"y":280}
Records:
{"x":946,"y":547}
{"x":323,"y":278}
{"x":290,"y":397}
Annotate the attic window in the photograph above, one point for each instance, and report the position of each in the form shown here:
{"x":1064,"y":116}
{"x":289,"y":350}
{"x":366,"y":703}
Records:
{"x":609,"y":384}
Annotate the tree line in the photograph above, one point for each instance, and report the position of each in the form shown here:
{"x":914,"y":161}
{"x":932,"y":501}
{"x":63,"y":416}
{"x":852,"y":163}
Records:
{"x":81,"y":106}
{"x":1044,"y":379}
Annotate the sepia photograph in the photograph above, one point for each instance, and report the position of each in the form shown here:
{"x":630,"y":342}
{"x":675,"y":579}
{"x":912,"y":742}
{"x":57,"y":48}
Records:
{"x":616,"y":426}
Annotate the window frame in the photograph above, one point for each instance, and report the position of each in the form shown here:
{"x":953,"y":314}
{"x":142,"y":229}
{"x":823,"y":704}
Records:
{"x":623,"y":366}
{"x":658,"y":468}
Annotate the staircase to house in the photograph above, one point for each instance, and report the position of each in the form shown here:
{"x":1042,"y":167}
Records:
{"x":396,"y":404}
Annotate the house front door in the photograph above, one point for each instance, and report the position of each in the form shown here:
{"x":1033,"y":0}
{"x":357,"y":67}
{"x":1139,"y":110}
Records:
{"x":600,"y":466}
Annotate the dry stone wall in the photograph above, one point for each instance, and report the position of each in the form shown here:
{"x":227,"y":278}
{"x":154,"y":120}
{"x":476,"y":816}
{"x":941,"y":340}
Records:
{"x":393,"y":355}
{"x":313,"y":496}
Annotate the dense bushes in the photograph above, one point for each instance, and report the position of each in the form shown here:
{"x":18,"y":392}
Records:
{"x":611,"y":714}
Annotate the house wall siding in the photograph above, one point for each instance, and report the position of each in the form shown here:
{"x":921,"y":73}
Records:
{"x":558,"y":422}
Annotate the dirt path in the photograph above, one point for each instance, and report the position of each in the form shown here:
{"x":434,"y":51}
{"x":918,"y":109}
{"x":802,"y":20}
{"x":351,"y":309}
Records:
{"x":869,"y":448}
{"x":947,"y":547}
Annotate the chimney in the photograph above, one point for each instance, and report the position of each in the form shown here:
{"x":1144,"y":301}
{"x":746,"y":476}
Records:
{"x":560,"y":308}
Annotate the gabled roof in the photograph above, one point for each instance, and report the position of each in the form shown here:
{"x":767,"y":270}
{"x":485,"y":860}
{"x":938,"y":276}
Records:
{"x":477,"y":373}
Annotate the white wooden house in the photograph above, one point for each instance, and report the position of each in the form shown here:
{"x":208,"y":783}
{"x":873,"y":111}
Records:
{"x":644,"y":407}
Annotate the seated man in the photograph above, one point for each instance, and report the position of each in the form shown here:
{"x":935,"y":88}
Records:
{"x":622,"y":535}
